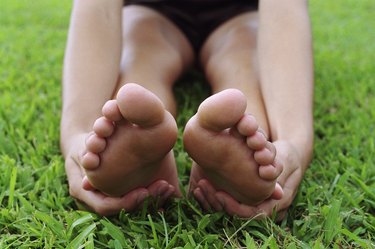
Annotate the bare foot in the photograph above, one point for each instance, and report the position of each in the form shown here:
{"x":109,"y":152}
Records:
{"x":230,"y":151}
{"x":294,"y":168}
{"x":131,"y":144}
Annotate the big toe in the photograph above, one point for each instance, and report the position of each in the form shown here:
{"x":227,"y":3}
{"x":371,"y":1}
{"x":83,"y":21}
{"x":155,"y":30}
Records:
{"x":140,"y":106}
{"x":222,"y":110}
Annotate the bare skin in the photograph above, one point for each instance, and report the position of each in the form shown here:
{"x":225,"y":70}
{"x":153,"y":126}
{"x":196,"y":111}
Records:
{"x":230,"y":151}
{"x":285,"y":74}
{"x":131,"y":144}
{"x":213,"y":199}
{"x":87,"y":87}
{"x":277,"y":134}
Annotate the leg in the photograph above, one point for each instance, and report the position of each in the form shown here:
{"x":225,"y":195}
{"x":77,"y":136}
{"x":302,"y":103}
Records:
{"x":223,"y":139}
{"x":128,"y":147}
{"x":144,"y":140}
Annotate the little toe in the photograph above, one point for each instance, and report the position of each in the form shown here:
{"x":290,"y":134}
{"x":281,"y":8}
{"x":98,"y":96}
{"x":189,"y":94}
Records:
{"x":90,"y":161}
{"x":266,"y":155}
{"x":103,"y":127}
{"x":247,"y":126}
{"x":111,"y":111}
{"x":95,"y":144}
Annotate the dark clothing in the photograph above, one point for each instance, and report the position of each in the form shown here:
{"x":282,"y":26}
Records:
{"x":198,"y":18}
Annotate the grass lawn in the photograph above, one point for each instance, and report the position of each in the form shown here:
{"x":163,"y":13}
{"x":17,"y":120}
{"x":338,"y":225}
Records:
{"x":335,"y":205}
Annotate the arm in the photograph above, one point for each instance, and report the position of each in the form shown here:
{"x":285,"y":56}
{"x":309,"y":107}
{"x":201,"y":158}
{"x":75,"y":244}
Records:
{"x":91,"y":65}
{"x":286,"y":76}
{"x":91,"y":70}
{"x":286,"y":71}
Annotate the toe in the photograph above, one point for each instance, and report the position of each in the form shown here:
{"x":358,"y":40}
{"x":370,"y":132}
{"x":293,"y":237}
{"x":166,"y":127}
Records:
{"x":270,"y":172}
{"x":140,"y":106}
{"x":247,"y":126}
{"x":90,"y":161}
{"x":103,"y":127}
{"x":266,"y":155}
{"x":95,"y":144}
{"x":222,"y":110}
{"x":257,"y":141}
{"x":111,"y":111}
{"x":267,"y":172}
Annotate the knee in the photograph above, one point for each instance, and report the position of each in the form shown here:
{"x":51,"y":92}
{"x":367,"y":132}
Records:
{"x":237,"y":49}
{"x":144,"y":39}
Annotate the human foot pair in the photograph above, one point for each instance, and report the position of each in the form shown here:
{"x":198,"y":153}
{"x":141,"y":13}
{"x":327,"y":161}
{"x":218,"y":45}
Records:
{"x":131,"y":146}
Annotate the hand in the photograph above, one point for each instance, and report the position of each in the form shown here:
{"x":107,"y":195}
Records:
{"x":102,"y":204}
{"x":289,"y":180}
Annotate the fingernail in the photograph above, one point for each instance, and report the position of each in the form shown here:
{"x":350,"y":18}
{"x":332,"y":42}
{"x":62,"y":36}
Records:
{"x":162,"y":189}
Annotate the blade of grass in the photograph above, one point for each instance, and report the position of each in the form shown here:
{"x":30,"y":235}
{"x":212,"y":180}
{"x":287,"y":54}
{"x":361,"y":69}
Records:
{"x":332,"y":224}
{"x":12,"y":185}
{"x":114,"y":232}
{"x":85,"y":234}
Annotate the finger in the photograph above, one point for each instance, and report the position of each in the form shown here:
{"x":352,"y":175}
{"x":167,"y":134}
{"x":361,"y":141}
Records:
{"x":168,"y":194}
{"x":158,"y":188}
{"x":209,"y":194}
{"x":199,"y":196}
{"x":75,"y":176}
{"x":161,"y":190}
{"x":267,"y":208}
{"x":281,"y":214}
{"x":277,"y":193}
{"x":96,"y":201}
{"x":106,"y":205}
{"x":233,"y":207}
{"x":86,"y":185}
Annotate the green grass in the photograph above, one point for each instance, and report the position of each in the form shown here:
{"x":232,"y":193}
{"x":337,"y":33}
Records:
{"x":335,"y":205}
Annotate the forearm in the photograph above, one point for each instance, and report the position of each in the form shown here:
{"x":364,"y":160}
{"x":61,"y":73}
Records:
{"x":92,"y":59}
{"x":286,"y":69}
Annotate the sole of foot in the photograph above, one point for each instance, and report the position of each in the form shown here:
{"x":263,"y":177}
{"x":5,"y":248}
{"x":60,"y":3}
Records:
{"x":131,"y":144}
{"x":229,"y":149}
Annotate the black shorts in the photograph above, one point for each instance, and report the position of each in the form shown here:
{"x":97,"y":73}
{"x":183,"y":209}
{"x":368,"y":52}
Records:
{"x":198,"y":18}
